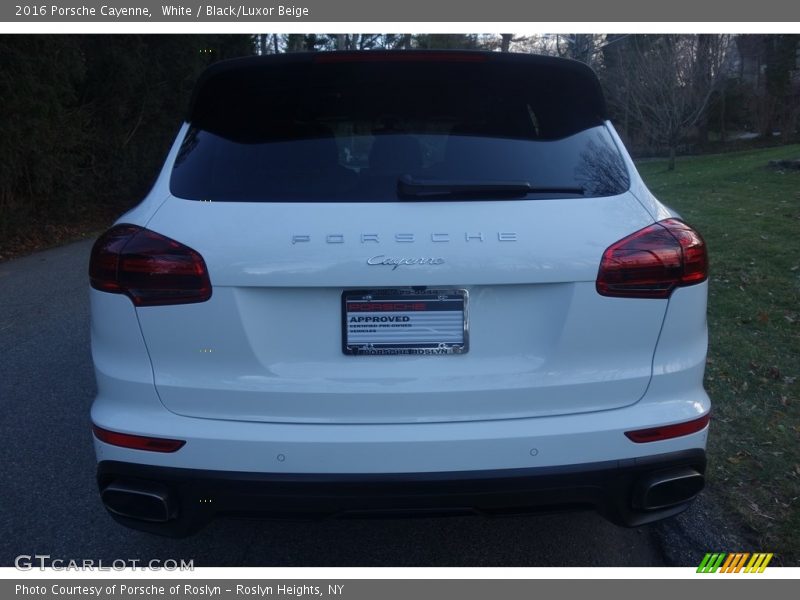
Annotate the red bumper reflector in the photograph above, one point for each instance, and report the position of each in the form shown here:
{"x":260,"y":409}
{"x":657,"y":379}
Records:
{"x":666,"y":432}
{"x":137,"y":442}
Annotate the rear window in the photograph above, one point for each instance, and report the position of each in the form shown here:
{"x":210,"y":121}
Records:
{"x":380,"y":130}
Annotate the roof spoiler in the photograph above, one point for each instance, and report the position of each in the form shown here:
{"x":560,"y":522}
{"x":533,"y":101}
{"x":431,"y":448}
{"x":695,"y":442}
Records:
{"x":575,"y":82}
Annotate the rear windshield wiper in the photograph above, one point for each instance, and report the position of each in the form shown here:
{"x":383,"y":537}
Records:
{"x":408,"y":187}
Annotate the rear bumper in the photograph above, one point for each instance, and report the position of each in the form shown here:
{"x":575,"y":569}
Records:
{"x":177,"y":501}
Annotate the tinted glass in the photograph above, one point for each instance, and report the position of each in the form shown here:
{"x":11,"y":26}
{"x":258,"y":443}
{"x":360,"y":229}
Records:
{"x":350,"y":132}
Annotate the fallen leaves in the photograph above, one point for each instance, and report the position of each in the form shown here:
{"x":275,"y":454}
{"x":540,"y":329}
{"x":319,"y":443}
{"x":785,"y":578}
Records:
{"x":755,"y":508}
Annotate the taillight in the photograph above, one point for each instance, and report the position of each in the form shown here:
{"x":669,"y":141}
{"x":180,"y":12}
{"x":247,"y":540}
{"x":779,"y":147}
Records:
{"x":653,"y":261}
{"x":137,"y":442}
{"x":151,"y":269}
{"x":666,"y":432}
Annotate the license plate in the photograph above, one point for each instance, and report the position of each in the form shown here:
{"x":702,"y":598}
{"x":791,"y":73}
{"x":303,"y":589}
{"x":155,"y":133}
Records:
{"x":404,"y":321}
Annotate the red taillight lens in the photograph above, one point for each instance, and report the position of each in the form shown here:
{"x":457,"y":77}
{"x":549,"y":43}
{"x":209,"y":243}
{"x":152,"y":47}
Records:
{"x":151,"y":269}
{"x":137,"y":442}
{"x":667,"y":432}
{"x":653,"y":261}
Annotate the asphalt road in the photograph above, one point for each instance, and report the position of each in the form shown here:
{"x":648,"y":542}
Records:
{"x":49,"y":502}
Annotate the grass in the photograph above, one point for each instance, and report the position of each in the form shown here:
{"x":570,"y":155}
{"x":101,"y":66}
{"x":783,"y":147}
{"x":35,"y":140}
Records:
{"x":749,"y":215}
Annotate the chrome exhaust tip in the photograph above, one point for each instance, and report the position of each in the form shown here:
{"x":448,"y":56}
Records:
{"x":143,"y":502}
{"x":668,"y":488}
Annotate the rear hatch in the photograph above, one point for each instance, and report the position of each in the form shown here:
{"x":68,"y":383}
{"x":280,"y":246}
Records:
{"x":398,"y":238}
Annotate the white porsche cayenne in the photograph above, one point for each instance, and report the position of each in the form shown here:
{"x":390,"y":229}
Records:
{"x":393,"y":282}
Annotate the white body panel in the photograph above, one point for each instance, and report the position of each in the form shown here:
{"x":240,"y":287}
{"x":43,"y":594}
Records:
{"x":127,"y":402}
{"x":267,"y":345}
{"x":255,"y":379}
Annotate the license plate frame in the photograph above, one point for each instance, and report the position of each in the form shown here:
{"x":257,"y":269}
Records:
{"x":376,"y":338}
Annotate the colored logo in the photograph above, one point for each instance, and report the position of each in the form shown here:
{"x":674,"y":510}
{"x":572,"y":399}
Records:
{"x":734,"y":562}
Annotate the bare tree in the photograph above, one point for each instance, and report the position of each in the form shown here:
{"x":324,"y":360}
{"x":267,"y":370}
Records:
{"x":295,"y":42}
{"x":579,"y":46}
{"x":670,"y":82}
